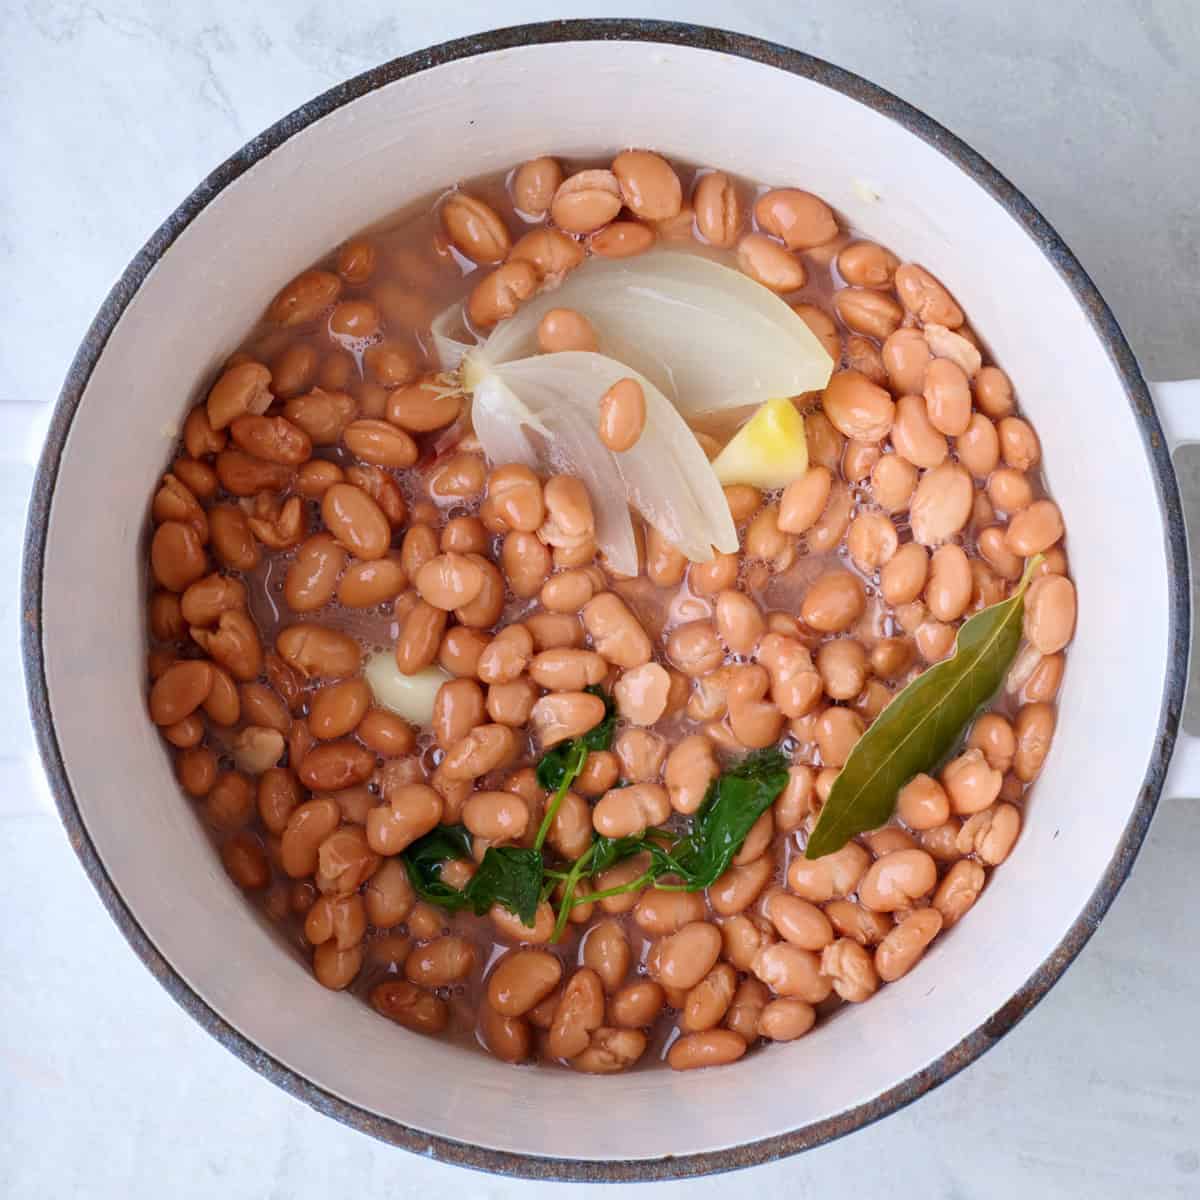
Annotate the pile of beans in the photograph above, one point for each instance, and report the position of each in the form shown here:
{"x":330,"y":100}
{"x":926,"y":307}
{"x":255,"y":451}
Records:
{"x":329,"y":499}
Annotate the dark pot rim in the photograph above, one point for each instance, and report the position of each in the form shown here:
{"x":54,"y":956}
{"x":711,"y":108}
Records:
{"x":1085,"y":292}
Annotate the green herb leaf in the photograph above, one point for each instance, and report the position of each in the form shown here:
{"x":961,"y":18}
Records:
{"x":922,"y":725}
{"x":734,"y":802}
{"x":607,"y":852}
{"x":510,"y":876}
{"x":552,"y":766}
{"x":423,"y":861}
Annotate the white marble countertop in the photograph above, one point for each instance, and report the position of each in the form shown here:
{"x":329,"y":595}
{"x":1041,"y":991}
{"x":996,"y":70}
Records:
{"x":109,"y":115}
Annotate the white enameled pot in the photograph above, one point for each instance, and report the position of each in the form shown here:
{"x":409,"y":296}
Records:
{"x":400,"y":132}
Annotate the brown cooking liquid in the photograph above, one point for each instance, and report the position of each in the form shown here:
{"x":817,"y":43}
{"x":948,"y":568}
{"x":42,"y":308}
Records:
{"x":417,"y":276}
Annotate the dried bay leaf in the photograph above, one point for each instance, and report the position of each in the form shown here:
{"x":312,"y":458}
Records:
{"x":922,"y":725}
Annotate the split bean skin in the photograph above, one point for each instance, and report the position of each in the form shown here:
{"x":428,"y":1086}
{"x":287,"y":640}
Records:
{"x":328,"y":501}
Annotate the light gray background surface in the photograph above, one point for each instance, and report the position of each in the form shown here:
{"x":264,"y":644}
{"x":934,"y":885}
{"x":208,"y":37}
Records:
{"x":110,"y":112}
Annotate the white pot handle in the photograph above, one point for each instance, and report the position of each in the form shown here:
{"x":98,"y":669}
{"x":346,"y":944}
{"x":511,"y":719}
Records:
{"x":1178,"y":407}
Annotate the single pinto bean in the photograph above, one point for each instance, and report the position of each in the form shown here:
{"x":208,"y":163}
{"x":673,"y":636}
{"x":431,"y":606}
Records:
{"x":636,"y":1005}
{"x":496,"y":816}
{"x":707,"y":1003}
{"x":947,"y":397}
{"x":475,"y":228}
{"x":510,"y":1039}
{"x":312,"y":575}
{"x":900,"y":951}
{"x":799,"y":219}
{"x":799,"y":921}
{"x":686,"y":956}
{"x":789,"y":971}
{"x":958,"y":891}
{"x":649,"y":186}
{"x":412,"y":810}
{"x":449,"y":581}
{"x":740,"y":886}
{"x":714,"y":1048}
{"x":865,"y":264}
{"x":631,"y":810}
{"x":443,"y":961}
{"x":336,"y":709}
{"x":501,"y":293}
{"x":690,"y":768}
{"x":234,"y":644}
{"x":586,"y":201}
{"x":786,"y":1019}
{"x":942,"y":504}
{"x":1019,"y":446}
{"x":926,"y":298}
{"x":368,"y":584}
{"x":610,"y":1050}
{"x":551,"y":253}
{"x":833,"y":602}
{"x":1050,"y":613}
{"x":858,"y":408}
{"x":970,"y":782}
{"x":334,"y":765}
{"x":769,"y":263}
{"x":457,"y":709}
{"x":482,"y":750}
{"x":564,"y":715}
{"x":420,"y":637}
{"x":380,"y":443}
{"x":872,"y":541}
{"x":567,"y":670}
{"x":521,"y":979}
{"x":423,"y":406}
{"x":948,"y":592}
{"x":695,"y":648}
{"x":180,"y":690}
{"x":641,"y":693}
{"x":622,"y":415}
{"x":565,"y":329}
{"x":1034,"y":529}
{"x":579,"y":1013}
{"x":851,"y":969}
{"x":979,"y":447}
{"x":616,"y":633}
{"x":243,"y":389}
{"x":896,"y":879}
{"x":923,"y":803}
{"x":410,"y":1006}
{"x":318,"y":652}
{"x":833,"y":875}
{"x":534,"y":184}
{"x":804,"y":500}
{"x":718,"y":209}
{"x":621,"y":239}
{"x":356,"y":521}
{"x":906,"y":356}
{"x":244,"y":475}
{"x":868,"y":312}
{"x":177,"y":557}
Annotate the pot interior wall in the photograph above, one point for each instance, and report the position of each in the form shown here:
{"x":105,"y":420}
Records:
{"x":351,"y":168}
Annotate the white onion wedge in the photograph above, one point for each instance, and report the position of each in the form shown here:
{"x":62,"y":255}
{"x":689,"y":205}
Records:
{"x":706,"y":335}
